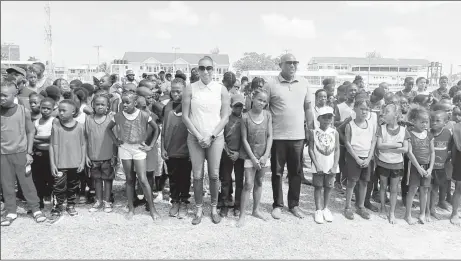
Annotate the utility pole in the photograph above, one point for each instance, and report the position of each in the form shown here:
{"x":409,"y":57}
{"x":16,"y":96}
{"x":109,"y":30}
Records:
{"x":49,"y":39}
{"x":174,"y":62}
{"x":97,"y":48}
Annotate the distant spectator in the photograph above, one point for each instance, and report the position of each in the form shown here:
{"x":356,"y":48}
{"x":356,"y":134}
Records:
{"x":144,"y":75}
{"x":194,"y":75}
{"x":359,"y":82}
{"x":168,"y":77}
{"x":455,"y":89}
{"x":408,"y":91}
{"x":180,"y":75}
{"x":442,"y":90}
{"x":421,"y":84}
{"x":130,"y":77}
{"x":384,"y":86}
{"x":74,"y":84}
{"x":62,"y":84}
{"x":42,"y":80}
{"x":229,"y":80}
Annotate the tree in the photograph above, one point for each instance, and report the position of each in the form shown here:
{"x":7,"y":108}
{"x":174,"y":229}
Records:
{"x":4,"y":56}
{"x":32,"y":59}
{"x":103,"y":67}
{"x":373,"y":54}
{"x":255,"y":61}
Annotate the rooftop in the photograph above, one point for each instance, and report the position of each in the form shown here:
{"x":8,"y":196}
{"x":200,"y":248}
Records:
{"x":191,"y":58}
{"x":366,"y":61}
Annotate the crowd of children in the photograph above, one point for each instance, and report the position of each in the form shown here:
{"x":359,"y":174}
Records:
{"x":66,"y":137}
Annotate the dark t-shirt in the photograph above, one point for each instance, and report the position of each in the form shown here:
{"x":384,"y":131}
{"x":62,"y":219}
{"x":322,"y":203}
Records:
{"x":232,"y":133}
{"x":442,"y":145}
{"x":420,"y":147}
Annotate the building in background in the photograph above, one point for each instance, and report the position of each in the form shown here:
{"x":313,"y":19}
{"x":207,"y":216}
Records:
{"x":151,"y":62}
{"x":10,"y":52}
{"x":373,"y":70}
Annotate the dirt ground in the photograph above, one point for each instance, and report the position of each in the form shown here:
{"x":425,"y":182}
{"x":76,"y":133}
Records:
{"x":110,"y":236}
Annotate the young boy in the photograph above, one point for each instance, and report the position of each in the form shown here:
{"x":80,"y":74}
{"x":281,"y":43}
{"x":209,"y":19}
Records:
{"x":442,"y":146}
{"x":67,"y":158}
{"x":16,"y":154}
{"x":456,"y":155}
{"x":324,"y":153}
{"x":230,"y":160}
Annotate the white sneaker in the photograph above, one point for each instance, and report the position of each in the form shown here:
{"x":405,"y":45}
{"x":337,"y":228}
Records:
{"x":327,"y":215}
{"x":318,"y":217}
{"x":159,"y":198}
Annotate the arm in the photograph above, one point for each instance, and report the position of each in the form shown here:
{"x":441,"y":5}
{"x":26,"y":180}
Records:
{"x":246,"y":145}
{"x":385,"y":146}
{"x":402,"y":149}
{"x":54,"y":170}
{"x":432,"y":151}
{"x":413,"y":160}
{"x":30,"y":132}
{"x":225,"y":105}
{"x":312,"y":154}
{"x":349,"y":146}
{"x":372,"y":150}
{"x":155,"y":131}
{"x":308,"y":114}
{"x":336,"y":162}
{"x":83,"y":156}
{"x":267,"y":152}
{"x":110,"y":131}
{"x":186,"y":98}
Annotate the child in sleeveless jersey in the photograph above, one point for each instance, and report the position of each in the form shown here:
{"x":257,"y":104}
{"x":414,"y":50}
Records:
{"x":324,"y":153}
{"x":422,"y":156}
{"x":391,"y":144}
{"x":360,"y":144}
{"x":257,"y":143}
{"x":41,"y":169}
{"x":132,"y":127}
{"x":67,"y":158}
{"x":16,"y":154}
{"x":100,"y":154}
{"x":456,"y":156}
{"x":174,"y":151}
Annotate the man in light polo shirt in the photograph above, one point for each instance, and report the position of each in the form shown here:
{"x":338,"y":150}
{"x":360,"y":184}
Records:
{"x":130,"y":78}
{"x":290,"y":105}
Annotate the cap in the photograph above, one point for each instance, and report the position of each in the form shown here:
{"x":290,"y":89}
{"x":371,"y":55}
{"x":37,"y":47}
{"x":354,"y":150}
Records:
{"x":16,"y":69}
{"x":128,"y":72}
{"x":325,"y":110}
{"x":237,"y":98}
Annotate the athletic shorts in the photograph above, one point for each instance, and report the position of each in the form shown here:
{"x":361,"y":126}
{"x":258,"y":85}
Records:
{"x":102,"y":170}
{"x":389,"y":173}
{"x":355,"y":172}
{"x":416,"y":180}
{"x":323,"y":180}
{"x":249,"y":164}
{"x":131,"y":152}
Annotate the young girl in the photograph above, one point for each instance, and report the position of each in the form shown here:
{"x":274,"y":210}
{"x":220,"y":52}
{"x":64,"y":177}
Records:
{"x":321,"y":101}
{"x":100,"y":157}
{"x":456,"y":156}
{"x":67,"y":158}
{"x":257,"y":143}
{"x":324,"y":153}
{"x":132,"y":133}
{"x":422,"y":156}
{"x":391,"y":144}
{"x":34,"y":103}
{"x":41,"y":169}
{"x":360,"y":145}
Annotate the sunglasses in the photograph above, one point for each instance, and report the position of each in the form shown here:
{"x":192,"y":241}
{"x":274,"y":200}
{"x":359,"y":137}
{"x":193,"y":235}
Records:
{"x":292,"y":63}
{"x":203,"y":68}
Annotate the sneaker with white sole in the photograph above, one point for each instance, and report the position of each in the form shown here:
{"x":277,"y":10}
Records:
{"x":107,"y":207}
{"x":318,"y":217}
{"x":327,"y":216}
{"x":159,"y":198}
{"x":96,"y":206}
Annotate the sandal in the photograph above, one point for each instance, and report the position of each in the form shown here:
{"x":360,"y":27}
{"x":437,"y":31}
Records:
{"x":39,"y":217}
{"x":7,"y":221}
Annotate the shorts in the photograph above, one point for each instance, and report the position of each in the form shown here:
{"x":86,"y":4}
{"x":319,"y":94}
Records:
{"x":439,"y":177}
{"x":456,"y":166}
{"x":131,"y":152}
{"x":415,"y":178}
{"x":102,"y":170}
{"x":389,"y":173}
{"x":355,"y":172}
{"x":249,"y":164}
{"x":323,"y":180}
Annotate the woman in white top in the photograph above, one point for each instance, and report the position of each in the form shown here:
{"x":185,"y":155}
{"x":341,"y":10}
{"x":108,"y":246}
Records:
{"x":205,"y":113}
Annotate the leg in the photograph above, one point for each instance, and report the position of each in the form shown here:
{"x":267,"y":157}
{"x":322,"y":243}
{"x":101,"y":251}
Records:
{"x":107,"y":189}
{"x":382,"y":194}
{"x":404,"y":184}
{"x":257,"y":192}
{"x":184,"y":179}
{"x":432,"y":200}
{"x":239,"y":174}
{"x":423,"y":191}
{"x":362,"y":191}
{"x":140,"y":164}
{"x":26,"y":182}
{"x":197,"y":156}
{"x":409,"y":202}
{"x":213,"y":156}
{"x":294,"y":164}
{"x":247,"y":187}
{"x":318,"y":198}
{"x":393,"y":200}
{"x":454,"y":219}
{"x":129,"y":181}
{"x":8,"y":177}
{"x":278,"y":160}
{"x":349,"y":190}
{"x":173,"y":169}
{"x":225,"y":176}
{"x":72,"y":186}
{"x":99,"y":189}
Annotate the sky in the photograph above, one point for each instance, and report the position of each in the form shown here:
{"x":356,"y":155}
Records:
{"x":418,"y":29}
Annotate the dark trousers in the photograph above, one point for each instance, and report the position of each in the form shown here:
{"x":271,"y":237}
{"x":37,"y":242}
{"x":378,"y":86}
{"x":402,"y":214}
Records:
{"x":85,"y":180}
{"x":41,"y":174}
{"x":179,"y":172}
{"x":403,"y":184}
{"x":286,"y":152}
{"x":225,"y":176}
{"x":13,"y":166}
{"x":66,"y":187}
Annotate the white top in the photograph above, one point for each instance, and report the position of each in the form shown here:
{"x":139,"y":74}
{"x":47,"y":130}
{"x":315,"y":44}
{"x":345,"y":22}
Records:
{"x":43,"y":130}
{"x":391,"y":157}
{"x":205,"y":107}
{"x":324,"y":149}
{"x":361,"y":138}
{"x":345,"y":111}
{"x":81,"y":118}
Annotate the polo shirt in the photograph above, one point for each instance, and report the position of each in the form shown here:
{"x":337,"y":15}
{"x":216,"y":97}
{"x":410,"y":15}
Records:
{"x":286,"y":104}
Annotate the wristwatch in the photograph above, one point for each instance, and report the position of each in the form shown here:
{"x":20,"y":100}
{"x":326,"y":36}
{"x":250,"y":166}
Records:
{"x":213,"y":137}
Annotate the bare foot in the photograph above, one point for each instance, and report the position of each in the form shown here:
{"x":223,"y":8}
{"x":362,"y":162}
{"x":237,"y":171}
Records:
{"x":455,"y":220}
{"x":422,"y":219}
{"x":410,"y":220}
{"x":258,"y":214}
{"x":392,"y":219}
{"x":428,"y":218}
{"x":435,"y":214}
{"x":154,"y":214}
{"x":241,"y":221}
{"x":382,"y":213}
{"x":130,"y":215}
